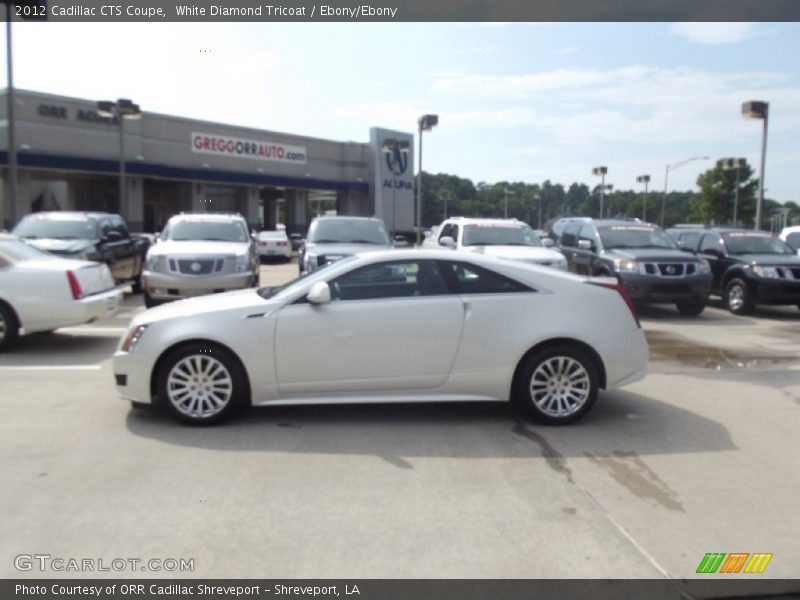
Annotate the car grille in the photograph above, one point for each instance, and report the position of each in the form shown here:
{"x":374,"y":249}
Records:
{"x":200,"y":266}
{"x":670,"y":269}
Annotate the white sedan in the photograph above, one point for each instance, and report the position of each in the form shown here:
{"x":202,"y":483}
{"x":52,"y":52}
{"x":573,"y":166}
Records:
{"x":274,"y":243}
{"x":412,"y":325}
{"x":40,"y":292}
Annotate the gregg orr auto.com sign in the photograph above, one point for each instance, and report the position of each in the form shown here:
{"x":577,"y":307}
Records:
{"x":222,"y":145}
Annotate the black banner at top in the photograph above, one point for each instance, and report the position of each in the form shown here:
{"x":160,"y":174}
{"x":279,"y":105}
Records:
{"x":403,"y":10}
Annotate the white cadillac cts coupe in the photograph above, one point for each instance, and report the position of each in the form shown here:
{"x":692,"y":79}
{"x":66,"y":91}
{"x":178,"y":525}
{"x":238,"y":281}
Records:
{"x":389,"y":326}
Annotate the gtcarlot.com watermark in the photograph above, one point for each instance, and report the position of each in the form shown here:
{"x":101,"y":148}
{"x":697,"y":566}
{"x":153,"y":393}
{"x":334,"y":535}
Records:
{"x":56,"y":564}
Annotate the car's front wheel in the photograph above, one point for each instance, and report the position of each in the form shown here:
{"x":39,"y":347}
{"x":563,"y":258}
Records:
{"x":738,"y":298}
{"x":201,"y":384}
{"x":8,"y":327}
{"x":691,"y":308}
{"x":557,"y":385}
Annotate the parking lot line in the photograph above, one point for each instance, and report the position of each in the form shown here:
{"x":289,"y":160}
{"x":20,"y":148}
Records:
{"x":50,"y":367}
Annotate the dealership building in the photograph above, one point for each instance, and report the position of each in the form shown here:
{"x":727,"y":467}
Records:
{"x":68,"y":157}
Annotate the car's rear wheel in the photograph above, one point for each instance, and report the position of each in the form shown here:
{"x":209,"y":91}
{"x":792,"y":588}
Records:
{"x":691,"y":308}
{"x":557,"y":385}
{"x":8,"y":327}
{"x":201,"y":384}
{"x":136,"y":286}
{"x":738,"y":298}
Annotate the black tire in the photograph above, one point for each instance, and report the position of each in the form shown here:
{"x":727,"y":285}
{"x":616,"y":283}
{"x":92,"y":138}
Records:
{"x":136,"y":286}
{"x":201,"y":384}
{"x":551,"y":370}
{"x":9,"y":327}
{"x":737,"y":297}
{"x":691,"y":309}
{"x":139,"y":405}
{"x":148,"y":301}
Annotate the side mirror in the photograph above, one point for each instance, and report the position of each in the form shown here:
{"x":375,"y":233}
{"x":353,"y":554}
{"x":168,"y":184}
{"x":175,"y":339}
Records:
{"x":547,"y":242}
{"x":319,"y":293}
{"x":447,"y":242}
{"x":112,"y":235}
{"x":585,"y":245}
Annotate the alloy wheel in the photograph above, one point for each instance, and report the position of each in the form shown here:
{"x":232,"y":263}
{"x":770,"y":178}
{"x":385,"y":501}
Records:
{"x":199,"y":386}
{"x":560,"y":386}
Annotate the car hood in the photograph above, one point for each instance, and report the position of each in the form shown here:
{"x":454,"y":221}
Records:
{"x":652,"y":254}
{"x":342,"y":249}
{"x":61,"y":246}
{"x":789,"y":260}
{"x":229,"y":301}
{"x":197,"y":248}
{"x":519,"y":252}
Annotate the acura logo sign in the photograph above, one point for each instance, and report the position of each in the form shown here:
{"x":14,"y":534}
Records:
{"x":397,"y":161}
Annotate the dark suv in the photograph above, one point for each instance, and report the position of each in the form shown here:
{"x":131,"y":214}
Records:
{"x":647,"y":261}
{"x":749,"y":267}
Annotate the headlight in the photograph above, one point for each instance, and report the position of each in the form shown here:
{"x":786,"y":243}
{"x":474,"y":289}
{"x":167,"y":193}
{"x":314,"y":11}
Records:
{"x":153,"y":262}
{"x":241,"y":262}
{"x":765,"y":271}
{"x":625,"y":265}
{"x":705,"y":267}
{"x":132,"y":339}
{"x":561,"y":264}
{"x":311,"y":261}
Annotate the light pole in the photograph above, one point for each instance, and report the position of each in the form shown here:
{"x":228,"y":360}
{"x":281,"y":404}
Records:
{"x":734,"y":164}
{"x":426,"y":123}
{"x":505,"y":212}
{"x":395,"y":151}
{"x":645,"y":179}
{"x":602,"y":172}
{"x":538,"y":196}
{"x":672,"y":167}
{"x":758,"y":109}
{"x":11,"y":173}
{"x":121,"y":109}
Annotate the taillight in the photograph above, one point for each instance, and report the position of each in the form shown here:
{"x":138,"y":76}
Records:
{"x":74,"y":286}
{"x":616,"y":285}
{"x":283,"y":243}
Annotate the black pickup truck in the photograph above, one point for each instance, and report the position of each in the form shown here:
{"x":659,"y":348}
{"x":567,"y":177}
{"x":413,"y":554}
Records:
{"x":98,"y":236}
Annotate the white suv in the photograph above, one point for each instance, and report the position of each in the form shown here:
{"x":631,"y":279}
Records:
{"x":504,"y":238}
{"x":198,"y":254}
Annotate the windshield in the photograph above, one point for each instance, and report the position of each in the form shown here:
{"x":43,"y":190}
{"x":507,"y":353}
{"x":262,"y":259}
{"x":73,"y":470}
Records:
{"x":344,"y":231}
{"x":212,"y":231}
{"x":17,"y":250}
{"x":500,"y":235}
{"x":57,"y":227}
{"x":291,"y":286}
{"x":635,"y":236}
{"x":755,"y":243}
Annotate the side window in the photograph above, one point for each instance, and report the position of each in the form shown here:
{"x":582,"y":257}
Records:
{"x":454,"y":233}
{"x":710,"y":242}
{"x":105,"y":227}
{"x":793,"y":239}
{"x":690,"y":240}
{"x":472,"y":279}
{"x":119,"y":225}
{"x":587,"y":233}
{"x":396,"y":279}
{"x":570,"y":235}
{"x":446,"y":231}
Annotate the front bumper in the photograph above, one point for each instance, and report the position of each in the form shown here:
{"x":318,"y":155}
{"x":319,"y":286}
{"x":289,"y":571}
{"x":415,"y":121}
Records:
{"x":172,"y":286}
{"x":653,"y":289}
{"x":775,"y":291}
{"x":132,"y":376}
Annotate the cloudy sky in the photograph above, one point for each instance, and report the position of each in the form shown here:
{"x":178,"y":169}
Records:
{"x":519,"y":102}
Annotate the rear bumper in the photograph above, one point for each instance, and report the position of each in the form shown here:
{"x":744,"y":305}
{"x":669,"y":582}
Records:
{"x":625,"y":358}
{"x":655,"y":290}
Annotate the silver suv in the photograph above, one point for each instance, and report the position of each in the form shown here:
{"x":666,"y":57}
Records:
{"x":198,"y":254}
{"x":332,"y":238}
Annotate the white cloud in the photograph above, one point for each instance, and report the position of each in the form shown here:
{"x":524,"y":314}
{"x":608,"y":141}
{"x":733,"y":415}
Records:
{"x":715,"y":33}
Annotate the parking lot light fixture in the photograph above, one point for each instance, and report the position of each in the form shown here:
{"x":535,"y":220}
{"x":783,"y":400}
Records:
{"x":121,"y":109}
{"x":505,"y":212}
{"x":645,"y":179}
{"x":669,"y":168}
{"x":758,"y":109}
{"x":601,"y":171}
{"x":426,"y":123}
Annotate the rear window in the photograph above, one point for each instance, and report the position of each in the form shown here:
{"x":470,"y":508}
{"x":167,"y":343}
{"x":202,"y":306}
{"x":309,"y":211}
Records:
{"x":480,"y":234}
{"x":272,"y":235}
{"x":57,"y":227}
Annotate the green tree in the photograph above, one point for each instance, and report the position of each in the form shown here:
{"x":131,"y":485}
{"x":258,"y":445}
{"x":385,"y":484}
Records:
{"x":715,"y":201}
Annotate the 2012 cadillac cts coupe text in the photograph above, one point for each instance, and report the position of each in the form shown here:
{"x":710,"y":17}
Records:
{"x":389,"y":326}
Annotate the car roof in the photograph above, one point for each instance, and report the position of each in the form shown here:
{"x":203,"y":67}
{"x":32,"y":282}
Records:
{"x":69,"y":214}
{"x":346,"y":217}
{"x":206,"y":216}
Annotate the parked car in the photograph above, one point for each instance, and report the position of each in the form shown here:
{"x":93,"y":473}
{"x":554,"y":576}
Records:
{"x":389,"y":326}
{"x":791,"y":235}
{"x":505,"y":238}
{"x":95,"y":236}
{"x":556,"y":228}
{"x":41,"y":292}
{"x":749,"y":267}
{"x":331,"y":238}
{"x":644,"y":258}
{"x":274,"y":244}
{"x":198,"y":254}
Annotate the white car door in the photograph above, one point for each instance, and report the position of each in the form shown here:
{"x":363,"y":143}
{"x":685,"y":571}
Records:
{"x":389,"y":326}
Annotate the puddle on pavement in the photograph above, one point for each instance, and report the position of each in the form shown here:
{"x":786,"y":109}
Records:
{"x":668,"y":347}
